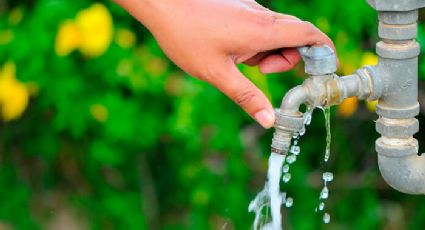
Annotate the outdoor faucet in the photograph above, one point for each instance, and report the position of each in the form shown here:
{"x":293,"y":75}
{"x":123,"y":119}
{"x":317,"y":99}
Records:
{"x":323,"y":88}
{"x":393,"y":82}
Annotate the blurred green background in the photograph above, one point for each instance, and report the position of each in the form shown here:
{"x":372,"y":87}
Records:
{"x":100,"y":130}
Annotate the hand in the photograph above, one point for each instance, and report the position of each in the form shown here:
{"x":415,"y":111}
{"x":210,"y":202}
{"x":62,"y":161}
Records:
{"x":207,"y":38}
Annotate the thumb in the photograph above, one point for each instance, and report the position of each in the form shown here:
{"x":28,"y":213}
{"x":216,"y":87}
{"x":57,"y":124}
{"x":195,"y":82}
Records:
{"x":244,"y":93}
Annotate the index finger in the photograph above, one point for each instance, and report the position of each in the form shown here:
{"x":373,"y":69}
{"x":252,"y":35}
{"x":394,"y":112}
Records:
{"x":283,"y":33}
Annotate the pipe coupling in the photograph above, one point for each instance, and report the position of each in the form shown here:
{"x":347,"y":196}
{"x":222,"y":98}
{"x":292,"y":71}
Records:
{"x":285,"y":127}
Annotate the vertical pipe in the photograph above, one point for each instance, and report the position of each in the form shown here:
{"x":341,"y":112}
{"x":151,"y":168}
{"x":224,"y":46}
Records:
{"x":397,"y":150}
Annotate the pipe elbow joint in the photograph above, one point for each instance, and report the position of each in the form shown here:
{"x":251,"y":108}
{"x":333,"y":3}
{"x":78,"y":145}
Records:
{"x":400,"y":165}
{"x":398,"y":159}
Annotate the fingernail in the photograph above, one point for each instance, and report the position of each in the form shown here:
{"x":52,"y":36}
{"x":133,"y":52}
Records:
{"x":265,"y":118}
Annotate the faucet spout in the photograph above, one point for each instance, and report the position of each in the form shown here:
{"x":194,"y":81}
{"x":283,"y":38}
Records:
{"x":293,"y":100}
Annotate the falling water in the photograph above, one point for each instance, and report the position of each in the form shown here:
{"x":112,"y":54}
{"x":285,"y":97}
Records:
{"x":327,"y":113}
{"x":271,"y":197}
{"x":327,"y":176}
{"x":274,"y":173}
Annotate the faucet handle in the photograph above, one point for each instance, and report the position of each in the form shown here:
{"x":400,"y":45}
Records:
{"x":318,"y":59}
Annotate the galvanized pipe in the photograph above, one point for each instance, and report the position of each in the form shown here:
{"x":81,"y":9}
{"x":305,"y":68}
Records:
{"x":398,"y":159}
{"x":394,"y":81}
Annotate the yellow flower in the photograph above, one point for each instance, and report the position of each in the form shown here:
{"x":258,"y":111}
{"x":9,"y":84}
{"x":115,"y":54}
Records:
{"x":68,"y":38}
{"x":15,"y":16}
{"x":125,"y":38}
{"x":371,"y":105}
{"x":99,"y":112}
{"x":96,"y":29}
{"x":348,"y":107}
{"x":13,"y":94}
{"x":369,"y":59}
{"x":6,"y":36}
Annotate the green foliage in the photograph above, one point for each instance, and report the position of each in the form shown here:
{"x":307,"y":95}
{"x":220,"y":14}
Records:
{"x":128,"y":141}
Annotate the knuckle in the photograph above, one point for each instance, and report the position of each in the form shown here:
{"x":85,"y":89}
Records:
{"x":261,"y":18}
{"x":210,"y":73}
{"x":245,"y":97}
{"x":310,"y":28}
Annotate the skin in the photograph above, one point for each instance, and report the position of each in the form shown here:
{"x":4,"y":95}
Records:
{"x":208,"y":38}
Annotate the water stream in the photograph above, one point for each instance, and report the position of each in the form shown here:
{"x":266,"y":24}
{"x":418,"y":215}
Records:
{"x":326,"y":176}
{"x":327,"y":113}
{"x":271,"y":198}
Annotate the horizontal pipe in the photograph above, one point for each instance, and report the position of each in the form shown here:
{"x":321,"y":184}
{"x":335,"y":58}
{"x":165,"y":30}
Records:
{"x":350,"y":85}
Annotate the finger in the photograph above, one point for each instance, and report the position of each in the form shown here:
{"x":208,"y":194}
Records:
{"x":255,"y":60}
{"x":286,"y":60}
{"x":244,"y":93}
{"x":285,"y":16}
{"x":291,"y":33}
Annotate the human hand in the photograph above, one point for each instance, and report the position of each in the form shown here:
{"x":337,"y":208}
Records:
{"x":207,"y":38}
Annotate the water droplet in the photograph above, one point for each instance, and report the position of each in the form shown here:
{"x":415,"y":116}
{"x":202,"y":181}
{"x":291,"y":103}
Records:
{"x":307,"y":118}
{"x":327,"y":154}
{"x":289,"y":202}
{"x":326,"y":218}
{"x":295,"y":149}
{"x":295,"y":135}
{"x":328,"y":176}
{"x":321,"y":206}
{"x":291,"y":159}
{"x":296,"y":142}
{"x":302,"y":131}
{"x":324,"y":194}
{"x":285,"y":168}
{"x":286,"y":177}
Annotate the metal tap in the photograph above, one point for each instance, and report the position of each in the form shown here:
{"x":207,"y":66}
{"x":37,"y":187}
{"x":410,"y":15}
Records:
{"x":394,"y":81}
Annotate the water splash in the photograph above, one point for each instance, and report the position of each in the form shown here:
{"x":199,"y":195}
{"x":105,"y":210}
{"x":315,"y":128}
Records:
{"x":270,"y":197}
{"x":260,"y":203}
